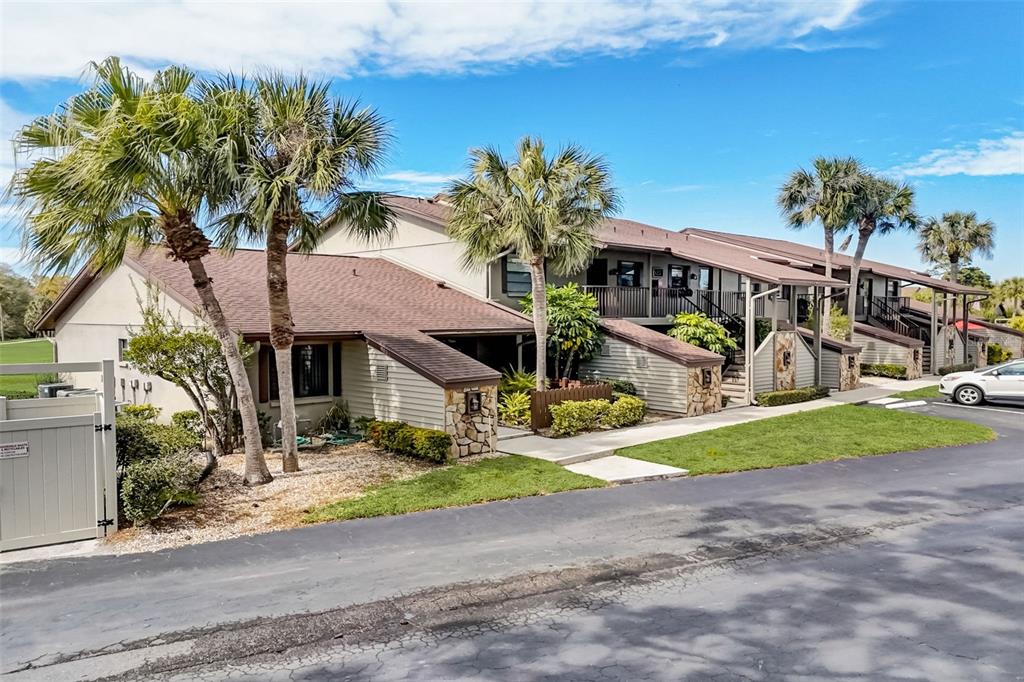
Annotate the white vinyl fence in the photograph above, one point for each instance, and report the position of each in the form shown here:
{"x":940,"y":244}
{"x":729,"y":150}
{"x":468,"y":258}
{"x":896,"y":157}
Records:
{"x":57,"y":462}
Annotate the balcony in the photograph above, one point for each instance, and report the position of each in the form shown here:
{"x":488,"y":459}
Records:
{"x":638,"y":302}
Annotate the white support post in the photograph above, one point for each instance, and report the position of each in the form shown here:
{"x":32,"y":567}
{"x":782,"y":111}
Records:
{"x":748,"y":339}
{"x":818,"y":312}
{"x":519,"y":352}
{"x":935,"y":334}
{"x":100,"y":473}
{"x":964,"y":337}
{"x":650,"y":285}
{"x":109,"y":442}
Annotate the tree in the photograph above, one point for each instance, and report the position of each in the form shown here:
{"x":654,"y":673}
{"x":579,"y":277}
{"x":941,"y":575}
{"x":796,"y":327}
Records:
{"x":306,"y":151}
{"x":973,"y":276}
{"x":1011,"y":289}
{"x":699,"y":330}
{"x":131,"y":164}
{"x":192,"y":360}
{"x":545,"y":210}
{"x":823,"y":195}
{"x":15,"y":297}
{"x":573,"y":325}
{"x":954,"y":239}
{"x":44,"y":293}
{"x":878,"y":206}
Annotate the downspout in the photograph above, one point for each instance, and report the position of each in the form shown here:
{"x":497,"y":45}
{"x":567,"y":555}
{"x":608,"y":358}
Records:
{"x":748,"y":351}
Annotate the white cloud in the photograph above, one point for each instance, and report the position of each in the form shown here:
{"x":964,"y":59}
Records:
{"x":52,"y":40}
{"x":1003,"y":156}
{"x":412,"y":177}
{"x":676,"y":189}
{"x":10,"y":255}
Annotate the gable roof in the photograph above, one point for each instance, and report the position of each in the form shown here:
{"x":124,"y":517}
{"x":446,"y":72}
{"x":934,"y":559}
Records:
{"x":887,"y":335}
{"x":837,"y":345}
{"x":924,"y":308}
{"x":335,"y":296}
{"x":795,"y":253}
{"x":634,"y":235}
{"x":659,"y":343}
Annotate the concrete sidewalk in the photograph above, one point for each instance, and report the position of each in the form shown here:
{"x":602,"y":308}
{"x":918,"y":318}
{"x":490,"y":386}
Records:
{"x":592,"y":446}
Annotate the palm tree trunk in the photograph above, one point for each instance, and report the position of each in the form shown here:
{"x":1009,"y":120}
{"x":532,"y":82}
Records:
{"x":540,"y":319}
{"x":826,"y":308}
{"x":851,"y":298}
{"x":282,"y":336}
{"x":256,"y":472}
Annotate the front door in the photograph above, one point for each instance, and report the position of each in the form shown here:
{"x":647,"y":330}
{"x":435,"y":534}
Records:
{"x":597,"y":273}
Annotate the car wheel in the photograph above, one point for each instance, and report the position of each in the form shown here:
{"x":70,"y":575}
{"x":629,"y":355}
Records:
{"x":968,"y":395}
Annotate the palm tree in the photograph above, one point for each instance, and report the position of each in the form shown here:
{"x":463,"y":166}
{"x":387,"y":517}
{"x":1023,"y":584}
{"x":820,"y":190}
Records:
{"x":545,"y":210}
{"x":954,"y":239}
{"x":823,"y":195}
{"x":879,"y":206}
{"x":1011,"y":289}
{"x":127,"y":164}
{"x":305,"y":153}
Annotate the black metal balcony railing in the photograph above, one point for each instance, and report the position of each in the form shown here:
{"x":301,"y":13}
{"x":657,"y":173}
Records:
{"x":616,"y":301}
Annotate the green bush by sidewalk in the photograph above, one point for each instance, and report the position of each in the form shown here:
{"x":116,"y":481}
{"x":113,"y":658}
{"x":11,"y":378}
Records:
{"x":962,"y":367}
{"x":883,"y":370}
{"x":799,"y":395}
{"x":412,"y":441}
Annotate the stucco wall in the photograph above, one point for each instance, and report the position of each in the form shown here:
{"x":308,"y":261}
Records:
{"x":417,"y":244}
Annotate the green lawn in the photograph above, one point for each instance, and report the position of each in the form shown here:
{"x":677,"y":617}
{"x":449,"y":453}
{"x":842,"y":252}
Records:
{"x":20,"y":352}
{"x":502,"y":478}
{"x":920,"y":393}
{"x":817,"y":435}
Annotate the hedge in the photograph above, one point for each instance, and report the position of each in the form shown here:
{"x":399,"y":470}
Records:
{"x":799,"y":395}
{"x":151,"y":485}
{"x":412,"y":441}
{"x":140,"y":439}
{"x":575,"y":416}
{"x":962,"y":367}
{"x":891,"y":371}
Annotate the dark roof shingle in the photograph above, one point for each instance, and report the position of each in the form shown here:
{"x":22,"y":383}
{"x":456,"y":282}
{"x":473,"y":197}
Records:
{"x":659,"y":343}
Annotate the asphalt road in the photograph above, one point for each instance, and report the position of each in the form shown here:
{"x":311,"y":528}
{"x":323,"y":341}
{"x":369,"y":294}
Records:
{"x":906,"y":566}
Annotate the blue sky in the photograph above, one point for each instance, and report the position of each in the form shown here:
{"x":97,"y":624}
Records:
{"x":702,"y":108}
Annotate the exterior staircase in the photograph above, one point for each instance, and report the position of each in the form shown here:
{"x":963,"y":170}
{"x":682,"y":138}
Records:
{"x":734,"y":384}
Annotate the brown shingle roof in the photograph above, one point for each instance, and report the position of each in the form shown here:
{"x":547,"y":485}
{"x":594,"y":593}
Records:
{"x":338,"y":296}
{"x":887,"y":335}
{"x":661,"y":344}
{"x":797,"y":253}
{"x":631,"y":234}
{"x":837,"y":345}
{"x":924,"y":308}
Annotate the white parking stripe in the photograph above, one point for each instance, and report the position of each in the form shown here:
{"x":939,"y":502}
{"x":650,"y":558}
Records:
{"x":972,"y":407}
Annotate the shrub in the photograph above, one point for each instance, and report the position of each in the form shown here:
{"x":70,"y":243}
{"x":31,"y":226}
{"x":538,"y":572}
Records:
{"x":891,"y":371}
{"x":432,"y":444}
{"x":799,"y":395}
{"x":412,"y":441}
{"x":151,"y":485}
{"x":514,"y":381}
{"x":362,"y":425}
{"x":996,"y":354}
{"x":573,"y":416}
{"x":962,"y":367}
{"x":622,"y":386}
{"x":142,"y":411}
{"x":139,"y":440}
{"x":1017,"y":322}
{"x":336,"y":419}
{"x":838,"y":323}
{"x":699,"y":330}
{"x":626,"y":411}
{"x":189,"y":420}
{"x":514,"y":409}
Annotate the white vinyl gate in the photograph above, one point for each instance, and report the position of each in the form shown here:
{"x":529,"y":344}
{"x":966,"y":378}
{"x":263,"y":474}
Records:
{"x":57,"y":473}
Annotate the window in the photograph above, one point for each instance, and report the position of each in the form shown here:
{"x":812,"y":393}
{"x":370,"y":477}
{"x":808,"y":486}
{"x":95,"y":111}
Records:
{"x":516,"y":280}
{"x":705,"y":281}
{"x":629,"y":274}
{"x":309,"y":371}
{"x":597,"y":272}
{"x":1014,"y":370}
{"x":677,"y":276}
{"x":122,"y":346}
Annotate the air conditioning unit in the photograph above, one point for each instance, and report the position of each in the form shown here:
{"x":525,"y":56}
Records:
{"x":50,"y":390}
{"x":70,"y":392}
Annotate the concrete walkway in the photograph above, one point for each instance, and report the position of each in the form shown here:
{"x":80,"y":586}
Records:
{"x":591,"y":448}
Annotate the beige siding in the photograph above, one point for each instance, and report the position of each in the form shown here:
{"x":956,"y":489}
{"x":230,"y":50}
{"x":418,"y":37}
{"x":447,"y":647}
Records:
{"x":416,"y":244}
{"x":662,"y":383}
{"x":1010,"y":342}
{"x":830,"y":365}
{"x":878,"y":351}
{"x":764,"y":369}
{"x":404,"y":396}
{"x":805,"y":364}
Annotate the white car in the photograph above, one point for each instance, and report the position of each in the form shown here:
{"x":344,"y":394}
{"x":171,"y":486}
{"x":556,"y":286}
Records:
{"x":998,"y":383}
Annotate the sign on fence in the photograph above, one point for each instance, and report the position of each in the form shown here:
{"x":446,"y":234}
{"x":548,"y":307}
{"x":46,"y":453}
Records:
{"x":8,"y":450}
